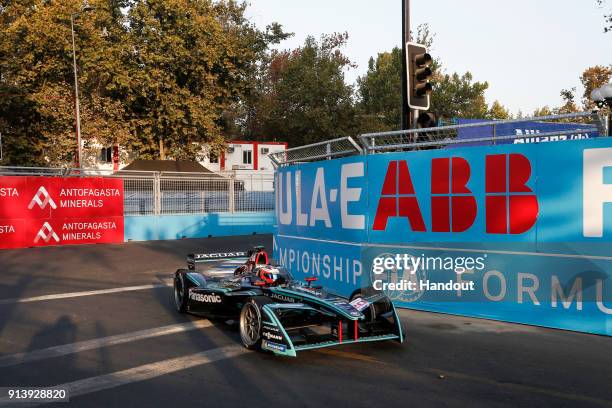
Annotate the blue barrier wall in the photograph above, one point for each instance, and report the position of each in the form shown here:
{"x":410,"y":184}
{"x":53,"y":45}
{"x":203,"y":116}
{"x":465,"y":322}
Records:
{"x":539,"y":216}
{"x":159,"y":227}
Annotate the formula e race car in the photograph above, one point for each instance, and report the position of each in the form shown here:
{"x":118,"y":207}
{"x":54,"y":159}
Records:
{"x":275,"y":312}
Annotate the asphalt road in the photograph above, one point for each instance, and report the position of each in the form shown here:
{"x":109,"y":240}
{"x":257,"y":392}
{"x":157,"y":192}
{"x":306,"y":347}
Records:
{"x":100,"y":320}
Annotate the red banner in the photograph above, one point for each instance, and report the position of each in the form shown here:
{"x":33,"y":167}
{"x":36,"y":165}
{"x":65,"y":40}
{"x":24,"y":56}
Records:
{"x":39,"y":211}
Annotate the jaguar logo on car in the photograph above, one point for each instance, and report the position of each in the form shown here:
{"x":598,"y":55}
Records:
{"x":282,"y":298}
{"x":219,"y":255}
{"x":200,"y":297}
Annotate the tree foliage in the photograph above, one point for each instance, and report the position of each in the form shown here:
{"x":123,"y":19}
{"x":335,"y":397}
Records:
{"x":379,"y":92}
{"x":498,"y":111}
{"x":543,"y":111}
{"x":164,"y":77}
{"x":455,"y":95}
{"x":607,"y":17}
{"x":302,"y":95}
{"x":37,"y":75}
{"x":458,"y":96}
{"x":592,"y":78}
{"x":154,"y":75}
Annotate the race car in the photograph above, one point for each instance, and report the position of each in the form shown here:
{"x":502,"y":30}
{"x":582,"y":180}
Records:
{"x":275,"y":312}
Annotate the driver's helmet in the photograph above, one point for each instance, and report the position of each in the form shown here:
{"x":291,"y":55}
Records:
{"x":268,"y":274}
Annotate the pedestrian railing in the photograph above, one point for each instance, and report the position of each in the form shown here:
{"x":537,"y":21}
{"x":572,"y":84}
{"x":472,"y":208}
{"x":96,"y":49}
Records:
{"x":553,"y":128}
{"x":344,"y":146}
{"x":529,"y":130}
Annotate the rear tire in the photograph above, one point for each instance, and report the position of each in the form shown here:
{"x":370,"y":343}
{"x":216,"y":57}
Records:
{"x":180,"y":292}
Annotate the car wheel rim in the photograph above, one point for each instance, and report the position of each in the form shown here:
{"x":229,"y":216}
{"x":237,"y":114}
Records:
{"x":178,"y":292}
{"x":250,"y":321}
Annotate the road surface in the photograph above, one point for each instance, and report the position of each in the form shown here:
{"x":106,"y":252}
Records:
{"x":100,"y":321}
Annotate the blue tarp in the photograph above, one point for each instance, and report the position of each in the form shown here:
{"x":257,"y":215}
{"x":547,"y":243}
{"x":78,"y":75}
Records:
{"x":524,"y":132}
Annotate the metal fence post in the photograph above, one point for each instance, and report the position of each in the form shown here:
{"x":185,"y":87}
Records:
{"x":157,"y":194}
{"x":494,"y":133}
{"x":232,"y":195}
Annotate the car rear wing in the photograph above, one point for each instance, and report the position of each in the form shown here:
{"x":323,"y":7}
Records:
{"x":193,"y":259}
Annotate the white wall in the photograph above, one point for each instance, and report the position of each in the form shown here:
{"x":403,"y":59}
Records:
{"x":234,"y":157}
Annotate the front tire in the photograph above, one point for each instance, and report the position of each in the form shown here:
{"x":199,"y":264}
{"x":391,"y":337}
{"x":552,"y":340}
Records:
{"x":250,"y":322}
{"x":180,"y":292}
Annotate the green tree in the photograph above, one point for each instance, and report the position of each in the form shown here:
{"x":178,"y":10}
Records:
{"x":591,"y":78}
{"x":458,"y":96}
{"x":379,"y":91}
{"x":498,"y":111}
{"x":249,"y":117}
{"x":304,"y":97}
{"x":155,"y":76}
{"x":543,"y":111}
{"x":36,"y":58}
{"x":188,"y":67}
{"x":569,"y":101}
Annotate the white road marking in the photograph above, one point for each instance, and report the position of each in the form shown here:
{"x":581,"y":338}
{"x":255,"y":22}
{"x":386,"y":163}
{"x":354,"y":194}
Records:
{"x":85,"y":293}
{"x":143,"y":372}
{"x":65,"y":349}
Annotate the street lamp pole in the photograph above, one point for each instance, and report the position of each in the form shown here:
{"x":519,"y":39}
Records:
{"x":406,"y":113}
{"x":76,"y":94}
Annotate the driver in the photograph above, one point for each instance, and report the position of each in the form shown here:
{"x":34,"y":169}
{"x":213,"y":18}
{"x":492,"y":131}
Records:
{"x":270,"y":275}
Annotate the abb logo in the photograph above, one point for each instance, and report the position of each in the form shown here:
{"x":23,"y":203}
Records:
{"x":511,"y":207}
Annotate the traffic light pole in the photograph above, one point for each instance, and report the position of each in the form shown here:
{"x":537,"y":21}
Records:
{"x":406,"y":114}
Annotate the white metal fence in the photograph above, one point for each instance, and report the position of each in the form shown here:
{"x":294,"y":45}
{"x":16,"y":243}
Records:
{"x":553,"y":128}
{"x":328,"y":149}
{"x":155,"y":193}
{"x":548,"y":128}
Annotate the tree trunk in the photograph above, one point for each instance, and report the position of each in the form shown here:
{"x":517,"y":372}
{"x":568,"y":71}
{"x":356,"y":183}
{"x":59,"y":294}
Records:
{"x":162,"y":152}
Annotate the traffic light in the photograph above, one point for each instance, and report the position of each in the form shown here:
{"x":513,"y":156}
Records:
{"x":419,"y":73}
{"x":427,"y":120}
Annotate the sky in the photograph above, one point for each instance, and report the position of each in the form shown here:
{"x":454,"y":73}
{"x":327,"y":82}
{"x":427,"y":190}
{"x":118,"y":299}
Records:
{"x":527,"y":50}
